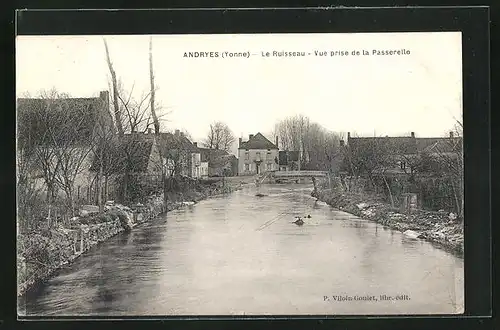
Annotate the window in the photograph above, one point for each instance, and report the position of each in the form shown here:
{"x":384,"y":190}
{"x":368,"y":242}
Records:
{"x":246,"y":155}
{"x":269,"y":166}
{"x":403,"y":165}
{"x":257,"y":155}
{"x":247,"y":167}
{"x":268,"y":156}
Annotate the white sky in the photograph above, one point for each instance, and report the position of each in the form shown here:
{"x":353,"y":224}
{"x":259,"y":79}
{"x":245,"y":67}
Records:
{"x":388,"y":95}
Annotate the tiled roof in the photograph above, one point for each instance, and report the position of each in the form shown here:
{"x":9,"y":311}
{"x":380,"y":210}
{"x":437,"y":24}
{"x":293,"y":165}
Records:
{"x":258,"y":141}
{"x":36,"y":115}
{"x":409,"y":145}
{"x":439,"y":145}
{"x":133,"y":150}
{"x":169,"y":141}
{"x":405,"y":145}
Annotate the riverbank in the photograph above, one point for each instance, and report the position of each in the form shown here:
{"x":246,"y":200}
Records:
{"x":43,"y":251}
{"x":435,"y":227}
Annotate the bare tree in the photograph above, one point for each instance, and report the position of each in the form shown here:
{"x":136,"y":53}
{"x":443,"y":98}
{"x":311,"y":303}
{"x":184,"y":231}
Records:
{"x":220,"y":137}
{"x":319,"y":148}
{"x":451,"y":159}
{"x":102,"y":149}
{"x":156,"y":122}
{"x":372,"y":157}
{"x":116,"y":95}
{"x":36,"y":119}
{"x":72,"y":145}
{"x":54,"y":132}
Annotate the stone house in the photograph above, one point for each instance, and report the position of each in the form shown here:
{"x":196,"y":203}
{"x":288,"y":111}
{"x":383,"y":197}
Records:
{"x":257,"y":155}
{"x":64,"y":127}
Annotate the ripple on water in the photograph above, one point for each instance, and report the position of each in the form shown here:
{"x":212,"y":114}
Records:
{"x":211,"y":259}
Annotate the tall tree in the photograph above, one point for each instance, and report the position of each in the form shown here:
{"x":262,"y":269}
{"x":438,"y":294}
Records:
{"x":116,"y":95}
{"x":219,"y":137}
{"x":319,"y":148}
{"x":156,"y":122}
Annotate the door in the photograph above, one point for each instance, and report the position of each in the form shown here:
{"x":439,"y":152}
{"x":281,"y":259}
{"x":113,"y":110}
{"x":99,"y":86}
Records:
{"x":258,"y":168}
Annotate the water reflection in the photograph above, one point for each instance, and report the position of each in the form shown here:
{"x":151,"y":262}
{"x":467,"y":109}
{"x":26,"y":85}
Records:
{"x":241,"y":254}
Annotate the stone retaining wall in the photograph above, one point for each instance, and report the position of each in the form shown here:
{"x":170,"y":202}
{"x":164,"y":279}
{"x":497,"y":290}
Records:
{"x":436,"y":227}
{"x":63,"y":245}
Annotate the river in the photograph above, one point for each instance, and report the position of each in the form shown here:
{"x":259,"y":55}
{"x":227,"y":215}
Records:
{"x":241,"y":254}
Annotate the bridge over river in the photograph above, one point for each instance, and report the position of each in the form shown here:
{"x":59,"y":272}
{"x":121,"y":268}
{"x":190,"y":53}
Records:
{"x":289,"y":176}
{"x":241,"y":254}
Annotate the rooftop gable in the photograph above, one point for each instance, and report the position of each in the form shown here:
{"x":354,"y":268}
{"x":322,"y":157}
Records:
{"x":257,"y":141}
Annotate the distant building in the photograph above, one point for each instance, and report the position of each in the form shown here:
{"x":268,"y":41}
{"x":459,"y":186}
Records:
{"x":220,"y":162}
{"x":405,"y":149}
{"x":182,"y":156}
{"x":257,"y":155}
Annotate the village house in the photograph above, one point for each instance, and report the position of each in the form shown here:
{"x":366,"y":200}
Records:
{"x":182,"y":156}
{"x":257,"y":155}
{"x":405,"y":150}
{"x":220,"y":162}
{"x":203,"y":171}
{"x":73,"y":124}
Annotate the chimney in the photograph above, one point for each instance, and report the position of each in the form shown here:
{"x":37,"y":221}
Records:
{"x":182,"y":134}
{"x":342,"y":143}
{"x":276,"y":140}
{"x":348,"y":135}
{"x":176,"y":132}
{"x":150,"y":130}
{"x":413,"y":134}
{"x":451,"y":135}
{"x":250,"y":136}
{"x":104,"y":95}
{"x":239,"y":144}
{"x":195,"y":144}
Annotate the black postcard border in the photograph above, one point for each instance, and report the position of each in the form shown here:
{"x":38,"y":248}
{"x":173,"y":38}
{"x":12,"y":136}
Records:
{"x":473,"y":22}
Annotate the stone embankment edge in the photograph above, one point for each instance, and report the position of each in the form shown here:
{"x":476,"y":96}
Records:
{"x":33,"y":282}
{"x":383,"y":219}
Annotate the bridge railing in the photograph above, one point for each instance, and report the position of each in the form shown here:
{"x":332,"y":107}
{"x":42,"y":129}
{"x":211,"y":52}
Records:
{"x":300,"y":173}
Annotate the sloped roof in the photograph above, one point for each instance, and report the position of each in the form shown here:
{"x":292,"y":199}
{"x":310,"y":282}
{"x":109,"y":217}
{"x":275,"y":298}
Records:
{"x":169,"y":141}
{"x":404,"y":145}
{"x":36,"y":115}
{"x":258,"y":141}
{"x":132,"y":150}
{"x":439,"y":145}
{"x":409,"y":145}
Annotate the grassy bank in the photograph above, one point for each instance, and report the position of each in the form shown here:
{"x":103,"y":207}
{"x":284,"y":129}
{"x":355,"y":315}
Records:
{"x":43,"y":250}
{"x":435,"y":227}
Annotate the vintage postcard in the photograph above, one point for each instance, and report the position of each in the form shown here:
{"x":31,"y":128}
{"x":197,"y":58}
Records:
{"x":240,"y":174}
